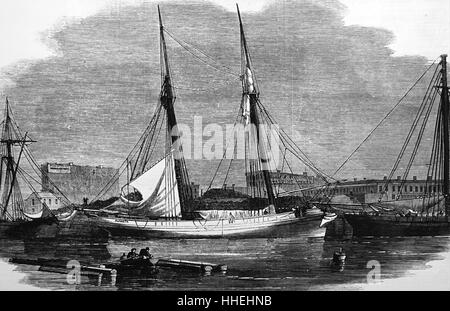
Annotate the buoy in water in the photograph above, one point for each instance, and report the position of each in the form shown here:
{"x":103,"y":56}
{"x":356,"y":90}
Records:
{"x":339,"y":256}
{"x":338,"y":260}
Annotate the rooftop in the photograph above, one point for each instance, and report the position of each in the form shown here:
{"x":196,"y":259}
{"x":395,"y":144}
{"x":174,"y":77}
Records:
{"x":43,"y":195}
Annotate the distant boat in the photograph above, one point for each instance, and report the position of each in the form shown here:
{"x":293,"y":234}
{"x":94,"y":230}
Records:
{"x":15,"y":220}
{"x":12,"y":211}
{"x":160,"y":200}
{"x":427,"y":215}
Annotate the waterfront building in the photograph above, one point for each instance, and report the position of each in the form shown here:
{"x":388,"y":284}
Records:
{"x":283,"y":183}
{"x":35,"y":201}
{"x":78,"y":182}
{"x":374,"y":190}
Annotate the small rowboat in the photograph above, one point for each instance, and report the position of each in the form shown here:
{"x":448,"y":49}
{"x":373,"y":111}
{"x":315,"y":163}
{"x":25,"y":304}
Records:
{"x":138,"y":265}
{"x":150,"y":266}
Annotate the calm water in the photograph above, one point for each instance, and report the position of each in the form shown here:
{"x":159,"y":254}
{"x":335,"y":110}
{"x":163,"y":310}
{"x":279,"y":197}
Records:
{"x":300,"y":262}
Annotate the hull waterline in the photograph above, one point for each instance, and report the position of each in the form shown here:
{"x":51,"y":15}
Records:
{"x":371,"y":225}
{"x":80,"y":227}
{"x":264,"y":226}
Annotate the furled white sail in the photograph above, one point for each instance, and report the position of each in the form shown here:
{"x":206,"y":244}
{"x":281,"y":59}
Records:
{"x":249,"y":86}
{"x":415,"y":204}
{"x":159,"y":190}
{"x":246,"y":110}
{"x":249,"y":80}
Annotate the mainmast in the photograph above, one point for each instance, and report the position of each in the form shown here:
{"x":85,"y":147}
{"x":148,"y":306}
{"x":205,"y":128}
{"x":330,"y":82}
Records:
{"x":8,"y":183}
{"x":167,"y":98}
{"x":250,"y":98}
{"x":445,"y":119}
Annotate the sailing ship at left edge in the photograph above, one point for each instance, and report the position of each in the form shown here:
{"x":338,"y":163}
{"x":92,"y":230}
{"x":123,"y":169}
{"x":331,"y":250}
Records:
{"x":19,"y":170}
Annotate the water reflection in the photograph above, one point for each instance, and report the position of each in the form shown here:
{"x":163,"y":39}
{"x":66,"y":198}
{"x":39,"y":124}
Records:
{"x":294,"y":263}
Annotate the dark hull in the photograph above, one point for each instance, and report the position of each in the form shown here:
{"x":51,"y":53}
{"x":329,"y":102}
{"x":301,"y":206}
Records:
{"x":6,"y":227}
{"x":371,"y":225}
{"x":78,"y":228}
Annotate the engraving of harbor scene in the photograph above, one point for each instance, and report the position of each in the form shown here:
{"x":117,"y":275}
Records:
{"x":83,"y":79}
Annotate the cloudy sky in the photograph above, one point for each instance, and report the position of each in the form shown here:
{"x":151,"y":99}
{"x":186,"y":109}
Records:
{"x":83,"y":74}
{"x":420,"y":26}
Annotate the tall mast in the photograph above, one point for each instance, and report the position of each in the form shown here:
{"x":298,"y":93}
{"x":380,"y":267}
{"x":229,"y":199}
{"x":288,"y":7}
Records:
{"x":243,"y":40}
{"x":445,"y":119}
{"x":165,"y":71}
{"x":8,"y":182}
{"x":251,"y":94}
{"x":14,"y":176}
{"x":167,"y":98}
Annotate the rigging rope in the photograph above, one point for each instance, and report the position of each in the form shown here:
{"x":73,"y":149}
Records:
{"x":239,"y":115}
{"x":286,"y":139}
{"x":187,"y":46}
{"x":419,"y":138}
{"x":131,"y":155}
{"x":383,"y":119}
{"x":29,"y":156}
{"x":422,"y":108}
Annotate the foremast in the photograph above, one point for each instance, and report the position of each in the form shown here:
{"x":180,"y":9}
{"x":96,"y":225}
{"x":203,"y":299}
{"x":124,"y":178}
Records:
{"x":11,"y":199}
{"x":250,"y":98}
{"x":167,"y":99}
{"x":445,"y":126}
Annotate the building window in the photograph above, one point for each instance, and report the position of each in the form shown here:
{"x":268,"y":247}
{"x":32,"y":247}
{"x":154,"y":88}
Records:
{"x":410,"y":188}
{"x":50,"y":201}
{"x":417,"y":189}
{"x":56,"y":201}
{"x":380,"y":188}
{"x":393,"y":188}
{"x":421,"y":189}
{"x":32,"y":201}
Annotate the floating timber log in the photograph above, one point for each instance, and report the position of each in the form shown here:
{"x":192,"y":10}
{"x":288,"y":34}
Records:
{"x":191,"y":265}
{"x":61,"y":266}
{"x":64,"y":267}
{"x":65,"y":271}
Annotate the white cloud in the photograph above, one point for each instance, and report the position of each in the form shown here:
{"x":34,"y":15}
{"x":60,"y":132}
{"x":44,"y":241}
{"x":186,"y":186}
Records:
{"x":22,"y":21}
{"x":421,"y":27}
